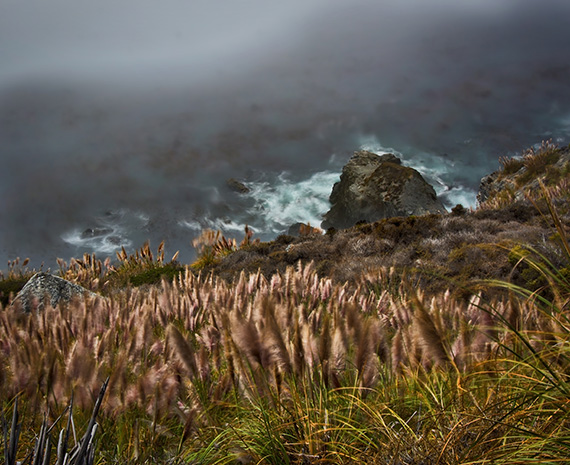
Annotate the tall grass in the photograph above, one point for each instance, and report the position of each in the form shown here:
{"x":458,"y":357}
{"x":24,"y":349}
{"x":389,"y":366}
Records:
{"x":297,"y":369}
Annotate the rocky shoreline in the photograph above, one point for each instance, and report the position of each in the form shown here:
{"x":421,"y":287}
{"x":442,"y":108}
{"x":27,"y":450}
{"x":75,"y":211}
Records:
{"x":375,"y":223}
{"x":384,"y":216}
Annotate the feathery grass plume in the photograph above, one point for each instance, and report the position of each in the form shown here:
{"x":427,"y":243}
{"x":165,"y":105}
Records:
{"x":273,"y":340}
{"x":553,"y":212}
{"x":385,"y":395}
{"x":339,"y":347}
{"x":87,"y":271}
{"x":510,"y":165}
{"x":142,"y":267}
{"x":397,"y":356}
{"x":212,"y":245}
{"x":324,"y":341}
{"x":366,"y":359}
{"x":432,"y":341}
{"x":247,"y":339}
{"x":248,"y":234}
{"x":298,"y":350}
{"x":181,"y":349}
{"x":310,"y":346}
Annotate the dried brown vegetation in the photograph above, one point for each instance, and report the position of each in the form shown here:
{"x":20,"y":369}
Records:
{"x":441,"y":251}
{"x":519,"y":176}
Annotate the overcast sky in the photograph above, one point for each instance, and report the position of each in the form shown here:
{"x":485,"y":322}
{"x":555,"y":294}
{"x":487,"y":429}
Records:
{"x":110,"y":39}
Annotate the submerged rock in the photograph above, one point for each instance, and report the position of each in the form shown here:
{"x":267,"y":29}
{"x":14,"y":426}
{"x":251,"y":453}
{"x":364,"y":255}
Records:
{"x":95,"y":232}
{"x":373,"y":187}
{"x":45,"y":288}
{"x":237,"y":186}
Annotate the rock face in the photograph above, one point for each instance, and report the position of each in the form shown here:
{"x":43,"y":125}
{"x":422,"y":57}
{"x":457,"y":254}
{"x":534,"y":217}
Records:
{"x":46,"y":288}
{"x":373,"y":187}
{"x":488,"y":186}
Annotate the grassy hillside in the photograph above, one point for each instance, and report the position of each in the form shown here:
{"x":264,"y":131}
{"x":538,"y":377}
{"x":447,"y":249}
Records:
{"x":438,"y":339}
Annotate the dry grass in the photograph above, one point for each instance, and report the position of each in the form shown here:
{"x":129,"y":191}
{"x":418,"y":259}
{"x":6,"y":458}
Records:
{"x":197,"y":353}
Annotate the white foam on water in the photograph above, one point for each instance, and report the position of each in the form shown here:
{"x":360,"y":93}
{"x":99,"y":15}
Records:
{"x":108,"y":233}
{"x":459,"y":195}
{"x":371,"y":144}
{"x":105,"y":244}
{"x":222,"y":224}
{"x":284,"y":202}
{"x":275,"y":205}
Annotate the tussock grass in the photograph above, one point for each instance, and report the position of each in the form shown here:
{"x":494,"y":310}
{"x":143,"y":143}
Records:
{"x":519,"y":176}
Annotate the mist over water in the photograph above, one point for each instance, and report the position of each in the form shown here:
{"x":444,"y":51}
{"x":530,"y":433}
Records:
{"x":122,"y":121}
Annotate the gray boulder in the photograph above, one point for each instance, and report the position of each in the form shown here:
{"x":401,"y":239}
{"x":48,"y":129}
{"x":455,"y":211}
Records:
{"x":373,"y":187}
{"x":45,"y":288}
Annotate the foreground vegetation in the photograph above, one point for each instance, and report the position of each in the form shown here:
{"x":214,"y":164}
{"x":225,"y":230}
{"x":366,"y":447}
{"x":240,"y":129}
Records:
{"x":298,"y":370}
{"x":299,"y":367}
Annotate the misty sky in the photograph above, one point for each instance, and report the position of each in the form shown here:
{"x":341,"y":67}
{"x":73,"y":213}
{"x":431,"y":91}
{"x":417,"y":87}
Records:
{"x":150,"y":106}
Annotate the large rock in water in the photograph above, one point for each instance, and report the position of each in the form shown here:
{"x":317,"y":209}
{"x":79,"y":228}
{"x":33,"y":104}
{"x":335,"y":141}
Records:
{"x":373,"y":187}
{"x":45,"y":288}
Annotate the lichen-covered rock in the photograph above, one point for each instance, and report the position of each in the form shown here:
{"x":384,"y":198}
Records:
{"x":45,"y":288}
{"x":373,"y":187}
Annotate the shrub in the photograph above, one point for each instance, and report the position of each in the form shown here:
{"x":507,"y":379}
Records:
{"x":142,"y":267}
{"x":510,"y":165}
{"x":9,"y":287}
{"x":155,"y":274}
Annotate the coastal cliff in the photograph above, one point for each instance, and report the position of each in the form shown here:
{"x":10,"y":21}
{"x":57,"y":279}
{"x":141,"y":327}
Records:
{"x":444,"y":249}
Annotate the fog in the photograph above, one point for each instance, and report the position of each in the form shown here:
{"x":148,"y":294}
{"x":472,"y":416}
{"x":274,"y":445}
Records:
{"x":148,"y":107}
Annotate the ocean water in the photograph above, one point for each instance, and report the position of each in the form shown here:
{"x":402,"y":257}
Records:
{"x":122,"y":121}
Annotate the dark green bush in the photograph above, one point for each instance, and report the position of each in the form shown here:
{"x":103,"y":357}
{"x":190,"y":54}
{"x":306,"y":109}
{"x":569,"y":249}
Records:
{"x":10,"y":287}
{"x":155,"y":275}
